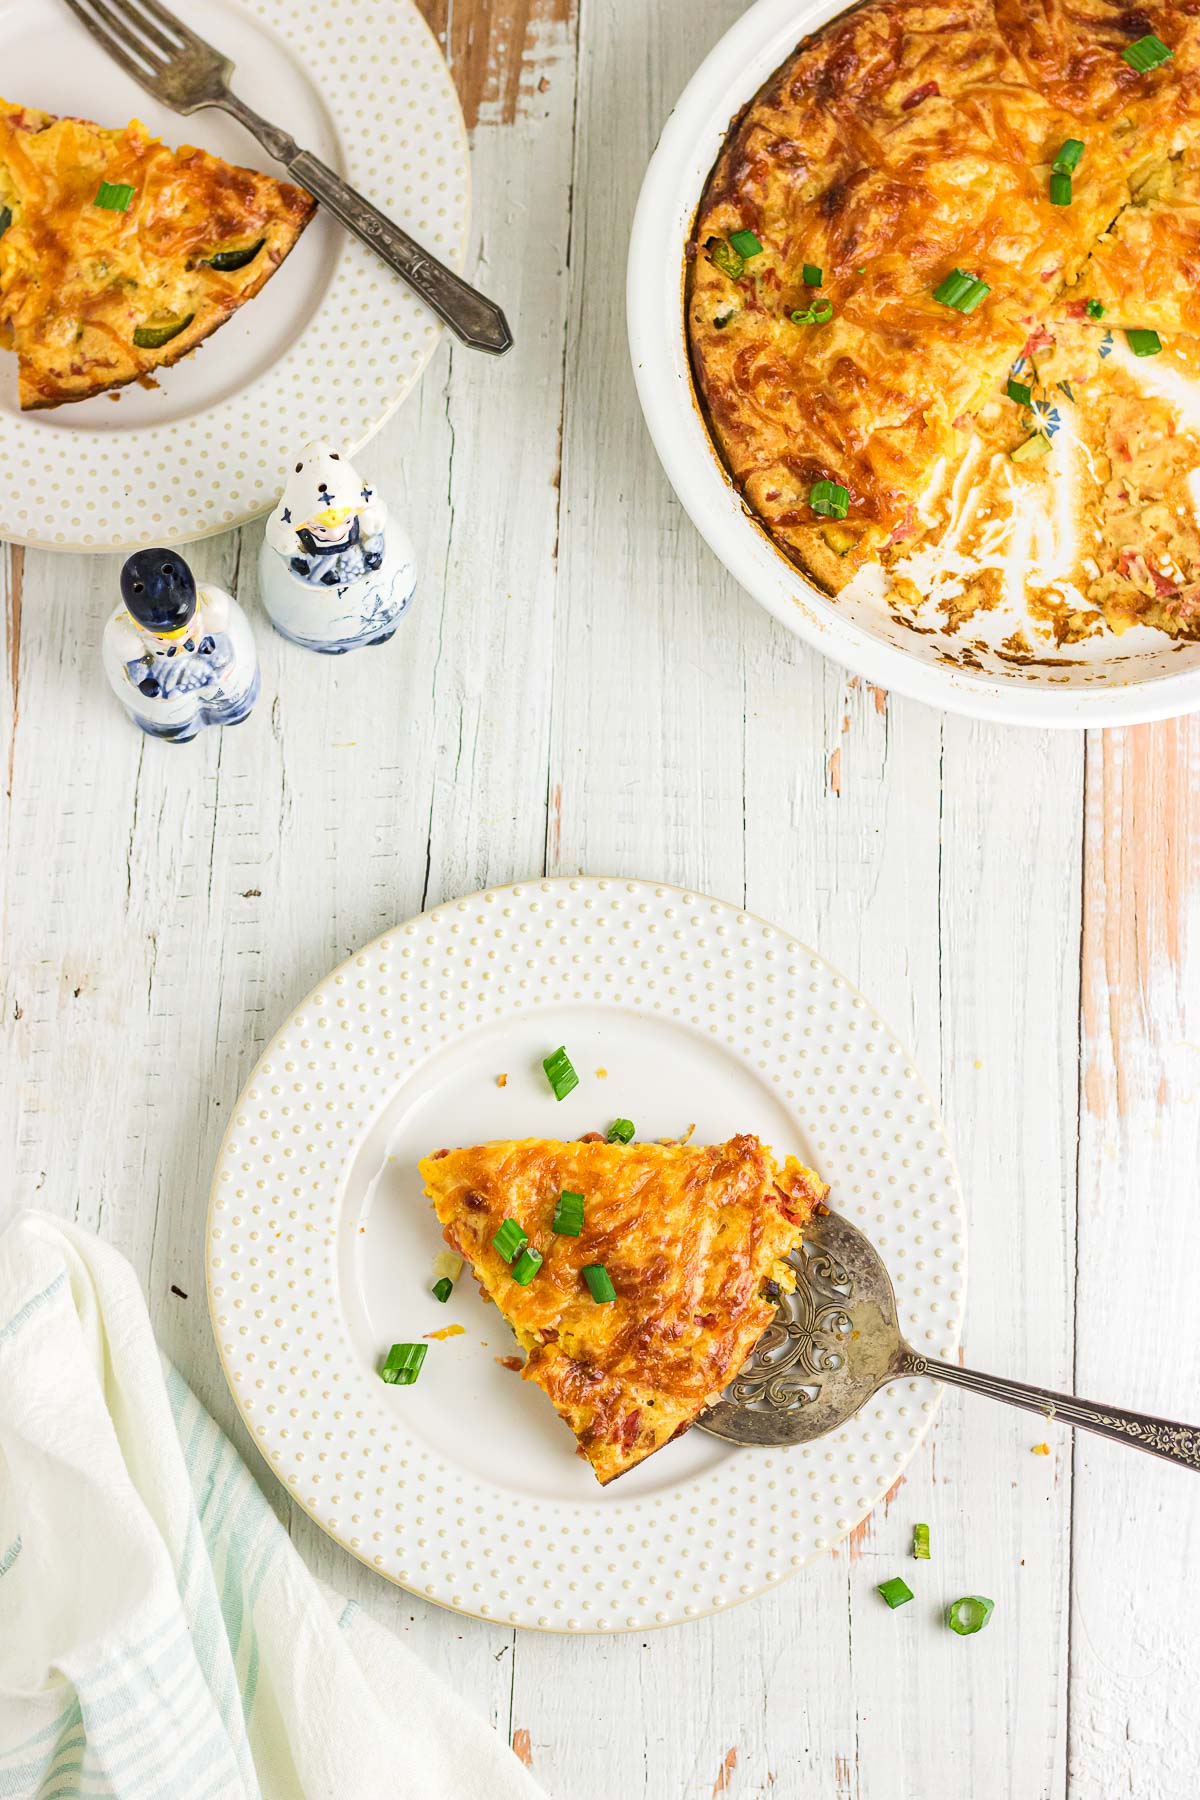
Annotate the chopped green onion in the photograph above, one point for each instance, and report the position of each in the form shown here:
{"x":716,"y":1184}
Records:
{"x":568,"y":1215}
{"x":819,"y":313}
{"x":921,"y":1542}
{"x":1067,"y":160}
{"x":510,"y":1238}
{"x":1017,"y":390}
{"x":443,"y":1289}
{"x":812,"y":275}
{"x":1094,"y":309}
{"x":829,"y":499}
{"x":895,"y":1592}
{"x":526,"y":1266}
{"x":599,"y":1285}
{"x":1060,"y":189}
{"x":746,"y":244}
{"x":961,"y":291}
{"x":1144,"y":343}
{"x":620,"y":1131}
{"x":114,"y":196}
{"x":723,"y":256}
{"x":5,"y":219}
{"x":1033,"y":447}
{"x":403,"y":1364}
{"x":969,"y":1615}
{"x":560,"y":1073}
{"x":1146,"y":54}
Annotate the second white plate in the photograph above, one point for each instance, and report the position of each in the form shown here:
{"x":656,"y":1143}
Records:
{"x":676,"y":1010}
{"x":334,"y":341}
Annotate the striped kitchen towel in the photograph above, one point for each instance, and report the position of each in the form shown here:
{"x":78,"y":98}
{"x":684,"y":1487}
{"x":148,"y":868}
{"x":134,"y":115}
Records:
{"x":159,"y":1634}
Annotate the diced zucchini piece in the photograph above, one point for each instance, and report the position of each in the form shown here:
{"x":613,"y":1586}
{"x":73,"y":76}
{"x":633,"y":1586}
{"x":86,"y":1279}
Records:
{"x":157,"y":332}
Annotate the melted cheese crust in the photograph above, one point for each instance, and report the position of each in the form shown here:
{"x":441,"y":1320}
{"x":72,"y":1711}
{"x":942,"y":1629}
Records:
{"x":688,"y":1234}
{"x":900,"y":142}
{"x":77,"y":280}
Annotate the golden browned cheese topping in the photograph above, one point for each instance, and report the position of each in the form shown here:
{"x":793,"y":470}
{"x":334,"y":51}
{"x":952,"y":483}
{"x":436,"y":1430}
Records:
{"x":689,"y":1236}
{"x":900,"y":143}
{"x":93,"y":297}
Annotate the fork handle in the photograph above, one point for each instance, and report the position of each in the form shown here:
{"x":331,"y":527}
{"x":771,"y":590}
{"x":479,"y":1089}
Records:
{"x":472,"y":318}
{"x":1160,"y":1437}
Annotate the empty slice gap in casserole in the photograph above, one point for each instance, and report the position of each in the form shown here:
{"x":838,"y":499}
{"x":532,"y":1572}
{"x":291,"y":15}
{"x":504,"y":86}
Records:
{"x":635,"y":1323}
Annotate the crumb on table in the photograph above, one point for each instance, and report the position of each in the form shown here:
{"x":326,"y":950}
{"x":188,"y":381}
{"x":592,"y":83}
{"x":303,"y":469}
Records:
{"x":1041,"y":1449}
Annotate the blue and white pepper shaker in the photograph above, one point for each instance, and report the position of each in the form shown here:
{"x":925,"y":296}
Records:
{"x":177,"y":657}
{"x":336,"y":573}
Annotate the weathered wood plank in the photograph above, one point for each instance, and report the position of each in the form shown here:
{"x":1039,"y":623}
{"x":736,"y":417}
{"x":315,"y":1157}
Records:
{"x":1135,"y":1713}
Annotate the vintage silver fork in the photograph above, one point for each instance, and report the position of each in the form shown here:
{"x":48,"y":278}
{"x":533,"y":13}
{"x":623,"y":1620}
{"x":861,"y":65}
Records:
{"x":179,"y":68}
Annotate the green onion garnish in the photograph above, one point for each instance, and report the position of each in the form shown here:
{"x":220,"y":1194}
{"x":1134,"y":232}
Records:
{"x":114,"y":196}
{"x":812,"y":275}
{"x":599,"y":1286}
{"x":895,"y":1591}
{"x":1067,"y":160}
{"x":1094,"y":309}
{"x":620,"y":1131}
{"x":510,"y":1238}
{"x":746,"y":244}
{"x":1033,"y":447}
{"x":829,"y":499}
{"x":403,"y":1364}
{"x":723,"y":256}
{"x":1144,"y":343}
{"x":961,"y":291}
{"x":819,"y":313}
{"x":5,"y":219}
{"x":1147,"y":53}
{"x":969,"y":1615}
{"x":568,"y":1215}
{"x":560,"y":1073}
{"x":443,"y":1289}
{"x":921,"y":1542}
{"x":526,"y":1266}
{"x":1060,"y":189}
{"x":1017,"y":390}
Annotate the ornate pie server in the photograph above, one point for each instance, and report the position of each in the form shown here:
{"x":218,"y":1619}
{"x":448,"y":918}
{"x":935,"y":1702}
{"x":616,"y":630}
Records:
{"x":836,"y":1340}
{"x":178,"y":67}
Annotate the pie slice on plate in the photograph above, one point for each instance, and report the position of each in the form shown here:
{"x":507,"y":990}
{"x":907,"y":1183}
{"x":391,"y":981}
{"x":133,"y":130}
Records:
{"x":118,"y":255}
{"x":689,"y":1241}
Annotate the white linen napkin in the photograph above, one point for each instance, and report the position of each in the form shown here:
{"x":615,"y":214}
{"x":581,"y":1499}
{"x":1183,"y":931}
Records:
{"x":159,"y":1634}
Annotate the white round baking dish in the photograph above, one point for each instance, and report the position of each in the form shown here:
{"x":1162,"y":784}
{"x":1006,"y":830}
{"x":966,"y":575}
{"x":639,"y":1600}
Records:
{"x":1139,"y":676}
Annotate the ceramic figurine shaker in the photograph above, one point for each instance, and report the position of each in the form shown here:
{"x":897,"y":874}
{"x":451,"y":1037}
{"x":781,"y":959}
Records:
{"x":336,"y":573}
{"x":178,"y":657}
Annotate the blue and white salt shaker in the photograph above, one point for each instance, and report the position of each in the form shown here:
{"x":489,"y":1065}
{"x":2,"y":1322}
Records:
{"x":336,"y":573}
{"x":178,"y":657}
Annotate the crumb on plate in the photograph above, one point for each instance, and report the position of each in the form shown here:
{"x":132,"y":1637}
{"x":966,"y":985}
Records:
{"x":502,"y":1080}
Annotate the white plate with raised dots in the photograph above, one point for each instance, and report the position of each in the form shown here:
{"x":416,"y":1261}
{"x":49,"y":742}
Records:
{"x":465,"y":1487}
{"x":334,"y":341}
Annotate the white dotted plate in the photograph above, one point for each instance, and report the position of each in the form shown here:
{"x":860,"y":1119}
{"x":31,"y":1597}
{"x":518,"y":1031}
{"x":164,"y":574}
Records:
{"x":334,"y":341}
{"x":465,"y":1487}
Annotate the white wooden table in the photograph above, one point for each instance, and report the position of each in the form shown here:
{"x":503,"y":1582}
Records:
{"x":581,"y":688}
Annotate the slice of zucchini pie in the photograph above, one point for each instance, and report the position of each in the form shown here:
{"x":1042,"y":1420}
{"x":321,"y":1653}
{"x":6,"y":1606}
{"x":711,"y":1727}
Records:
{"x":637,"y":1277}
{"x":118,"y":255}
